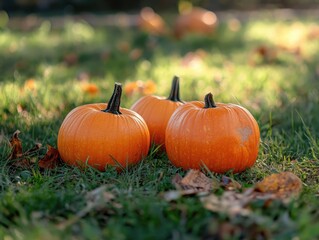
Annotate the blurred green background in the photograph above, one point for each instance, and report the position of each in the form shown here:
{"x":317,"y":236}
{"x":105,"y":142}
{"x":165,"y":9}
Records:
{"x":69,"y":6}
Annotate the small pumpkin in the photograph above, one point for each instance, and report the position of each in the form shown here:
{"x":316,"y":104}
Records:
{"x":222,"y":137}
{"x":156,"y":111}
{"x":103,"y":134}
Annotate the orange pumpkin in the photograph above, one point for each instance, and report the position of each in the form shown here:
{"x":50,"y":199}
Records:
{"x":156,"y":111}
{"x":103,"y":134}
{"x":197,"y":20}
{"x":222,"y":137}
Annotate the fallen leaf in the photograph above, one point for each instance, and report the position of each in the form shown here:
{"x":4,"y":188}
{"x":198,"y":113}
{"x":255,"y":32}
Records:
{"x":284,"y":185}
{"x":51,"y":159}
{"x":19,"y":158}
{"x":281,"y":187}
{"x":195,"y":180}
{"x":229,"y":202}
{"x":16,"y":146}
{"x":230,"y":184}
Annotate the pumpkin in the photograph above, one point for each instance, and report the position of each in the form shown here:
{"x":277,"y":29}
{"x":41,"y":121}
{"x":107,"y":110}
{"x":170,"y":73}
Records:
{"x":103,"y":134}
{"x":156,"y":111}
{"x":223,"y":137}
{"x":197,"y":20}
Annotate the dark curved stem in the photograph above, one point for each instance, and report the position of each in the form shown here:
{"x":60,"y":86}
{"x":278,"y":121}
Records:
{"x":209,"y":101}
{"x":113,"y":105}
{"x":174,"y":94}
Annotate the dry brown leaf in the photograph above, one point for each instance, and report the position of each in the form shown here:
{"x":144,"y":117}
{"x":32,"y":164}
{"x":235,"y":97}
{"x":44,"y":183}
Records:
{"x":16,"y":146}
{"x":19,"y":158}
{"x":284,"y":185}
{"x":229,"y":202}
{"x":193,"y":183}
{"x":195,"y":180}
{"x":51,"y":159}
{"x":230,"y":184}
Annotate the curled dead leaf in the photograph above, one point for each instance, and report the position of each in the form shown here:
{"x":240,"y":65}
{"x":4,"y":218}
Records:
{"x":284,"y":185}
{"x":281,"y":187}
{"x":51,"y":159}
{"x":229,"y":202}
{"x":16,"y":146}
{"x":195,"y":180}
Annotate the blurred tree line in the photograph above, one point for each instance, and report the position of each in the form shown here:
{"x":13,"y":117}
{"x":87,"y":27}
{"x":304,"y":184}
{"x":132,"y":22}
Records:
{"x":133,"y":5}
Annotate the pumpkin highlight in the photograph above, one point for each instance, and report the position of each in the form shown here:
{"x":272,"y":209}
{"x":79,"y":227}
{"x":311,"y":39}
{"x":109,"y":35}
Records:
{"x":222,"y":137}
{"x":103,"y":134}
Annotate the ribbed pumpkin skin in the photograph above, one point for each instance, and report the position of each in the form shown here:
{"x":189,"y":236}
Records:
{"x":222,"y":138}
{"x":90,"y":135}
{"x":156,"y":111}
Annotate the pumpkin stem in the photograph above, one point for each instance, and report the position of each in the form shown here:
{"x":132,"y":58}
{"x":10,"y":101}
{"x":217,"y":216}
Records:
{"x":209,"y":101}
{"x":174,"y":94}
{"x":113,"y":105}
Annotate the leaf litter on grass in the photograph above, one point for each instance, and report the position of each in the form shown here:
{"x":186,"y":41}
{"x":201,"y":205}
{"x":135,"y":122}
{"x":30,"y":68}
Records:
{"x":235,"y":200}
{"x":26,"y":160}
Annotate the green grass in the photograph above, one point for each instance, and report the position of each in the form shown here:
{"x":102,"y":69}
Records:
{"x":282,"y":95}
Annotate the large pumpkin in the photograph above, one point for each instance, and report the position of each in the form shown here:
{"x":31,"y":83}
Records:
{"x":103,"y":134}
{"x":156,"y":111}
{"x":222,"y":137}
